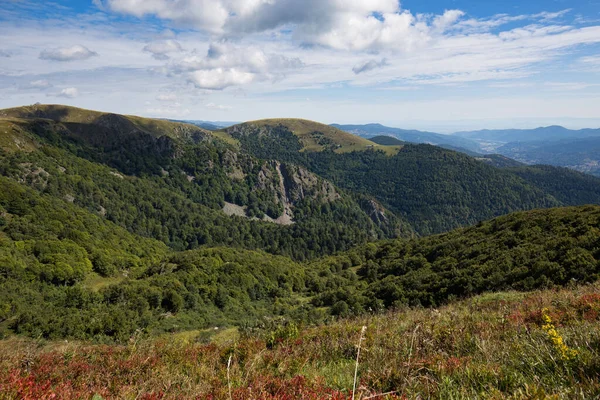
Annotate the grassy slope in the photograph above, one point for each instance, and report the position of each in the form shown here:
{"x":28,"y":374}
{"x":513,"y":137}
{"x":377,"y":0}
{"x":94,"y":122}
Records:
{"x":309,"y":133}
{"x":493,"y":346}
{"x":13,"y":137}
{"x":67,"y":114}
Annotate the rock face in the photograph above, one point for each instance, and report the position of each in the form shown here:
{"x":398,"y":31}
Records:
{"x":290,"y":185}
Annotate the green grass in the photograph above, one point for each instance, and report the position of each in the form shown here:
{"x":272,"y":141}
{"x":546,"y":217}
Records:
{"x":96,"y":282}
{"x":309,"y":133}
{"x":67,"y":114}
{"x":12,"y":136}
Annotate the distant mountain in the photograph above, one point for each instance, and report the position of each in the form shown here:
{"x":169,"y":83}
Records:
{"x":528,"y":135}
{"x":495,"y":160}
{"x":412,"y":136}
{"x":579,"y":154}
{"x":552,"y":145}
{"x":209,"y":125}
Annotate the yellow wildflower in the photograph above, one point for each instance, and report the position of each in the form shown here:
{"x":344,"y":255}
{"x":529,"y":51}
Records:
{"x":565,"y":352}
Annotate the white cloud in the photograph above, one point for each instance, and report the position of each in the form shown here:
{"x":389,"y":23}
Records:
{"x":73,"y":53}
{"x":590,"y":60}
{"x":442,"y":22}
{"x":160,"y":49}
{"x":549,"y":16}
{"x":4,"y":54}
{"x":220,"y":78}
{"x":228,"y":65}
{"x":40,"y":84}
{"x":69,"y":93}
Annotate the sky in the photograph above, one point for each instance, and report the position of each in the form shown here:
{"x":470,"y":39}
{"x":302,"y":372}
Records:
{"x":440,"y":65}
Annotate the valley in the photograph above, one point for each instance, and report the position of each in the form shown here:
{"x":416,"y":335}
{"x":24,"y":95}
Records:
{"x":116,"y":229}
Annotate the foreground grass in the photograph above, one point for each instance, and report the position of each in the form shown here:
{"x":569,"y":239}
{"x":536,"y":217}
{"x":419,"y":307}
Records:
{"x":510,"y":345}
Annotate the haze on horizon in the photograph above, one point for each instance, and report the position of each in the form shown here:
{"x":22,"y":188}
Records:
{"x":437,"y":65}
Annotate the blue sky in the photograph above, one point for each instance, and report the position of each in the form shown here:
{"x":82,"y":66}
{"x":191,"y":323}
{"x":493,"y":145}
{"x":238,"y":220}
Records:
{"x":435,"y":65}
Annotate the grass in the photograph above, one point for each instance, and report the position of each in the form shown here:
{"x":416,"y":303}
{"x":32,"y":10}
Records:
{"x":67,"y":114}
{"x":13,"y":137}
{"x":311,"y":133}
{"x":493,"y":346}
{"x":96,"y":282}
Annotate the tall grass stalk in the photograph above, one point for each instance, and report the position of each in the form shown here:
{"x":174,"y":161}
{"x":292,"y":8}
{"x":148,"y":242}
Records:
{"x":362,"y":335}
{"x":228,"y":377}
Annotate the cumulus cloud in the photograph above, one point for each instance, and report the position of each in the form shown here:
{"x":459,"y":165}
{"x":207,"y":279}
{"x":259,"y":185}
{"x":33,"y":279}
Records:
{"x":443,"y":22}
{"x":220,"y":78}
{"x":160,"y":49}
{"x":226,"y":65}
{"x":69,"y":93}
{"x":369,"y":66}
{"x":344,"y":24}
{"x":73,"y":53}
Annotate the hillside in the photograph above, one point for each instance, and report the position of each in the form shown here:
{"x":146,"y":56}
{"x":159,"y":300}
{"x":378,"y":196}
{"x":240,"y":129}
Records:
{"x":386,"y":141}
{"x":411,"y":136}
{"x":89,"y":125}
{"x":523,"y":251}
{"x":313,"y":136}
{"x":538,"y":345}
{"x":179,"y":190}
{"x":435,"y":190}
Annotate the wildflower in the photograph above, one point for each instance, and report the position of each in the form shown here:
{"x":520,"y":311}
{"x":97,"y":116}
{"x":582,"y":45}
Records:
{"x":565,"y":352}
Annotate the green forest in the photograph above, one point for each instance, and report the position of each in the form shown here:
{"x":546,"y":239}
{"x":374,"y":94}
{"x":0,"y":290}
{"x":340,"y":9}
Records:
{"x":120,"y":228}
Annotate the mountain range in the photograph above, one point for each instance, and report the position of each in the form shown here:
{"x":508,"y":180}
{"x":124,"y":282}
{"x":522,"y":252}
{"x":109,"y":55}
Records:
{"x":110,"y":224}
{"x":552,"y":145}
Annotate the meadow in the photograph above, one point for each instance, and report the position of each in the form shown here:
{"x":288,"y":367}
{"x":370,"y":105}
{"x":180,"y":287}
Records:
{"x":510,"y":345}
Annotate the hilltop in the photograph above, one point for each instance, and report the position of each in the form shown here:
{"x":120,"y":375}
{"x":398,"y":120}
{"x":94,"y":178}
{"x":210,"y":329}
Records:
{"x":88,"y":123}
{"x":313,"y":136}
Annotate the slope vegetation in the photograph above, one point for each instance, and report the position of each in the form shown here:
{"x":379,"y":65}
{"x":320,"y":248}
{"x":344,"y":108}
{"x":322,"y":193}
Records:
{"x":313,"y":136}
{"x":539,"y":345}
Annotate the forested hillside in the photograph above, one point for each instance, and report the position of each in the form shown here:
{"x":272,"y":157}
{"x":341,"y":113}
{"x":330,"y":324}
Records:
{"x":434,"y":189}
{"x":111,"y":225}
{"x":175,"y":187}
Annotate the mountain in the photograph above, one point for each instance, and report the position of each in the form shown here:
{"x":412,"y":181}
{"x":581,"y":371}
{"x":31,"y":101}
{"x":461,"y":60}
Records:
{"x":209,"y":125}
{"x":579,"y":154}
{"x":412,"y":136}
{"x":184,"y":185}
{"x":495,"y":160}
{"x":434,"y":189}
{"x":312,"y":136}
{"x":528,"y":135}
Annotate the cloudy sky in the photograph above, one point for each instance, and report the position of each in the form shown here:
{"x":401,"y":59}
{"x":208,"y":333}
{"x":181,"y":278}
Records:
{"x":440,"y":65}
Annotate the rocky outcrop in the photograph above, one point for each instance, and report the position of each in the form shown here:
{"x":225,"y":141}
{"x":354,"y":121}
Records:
{"x":292,"y":184}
